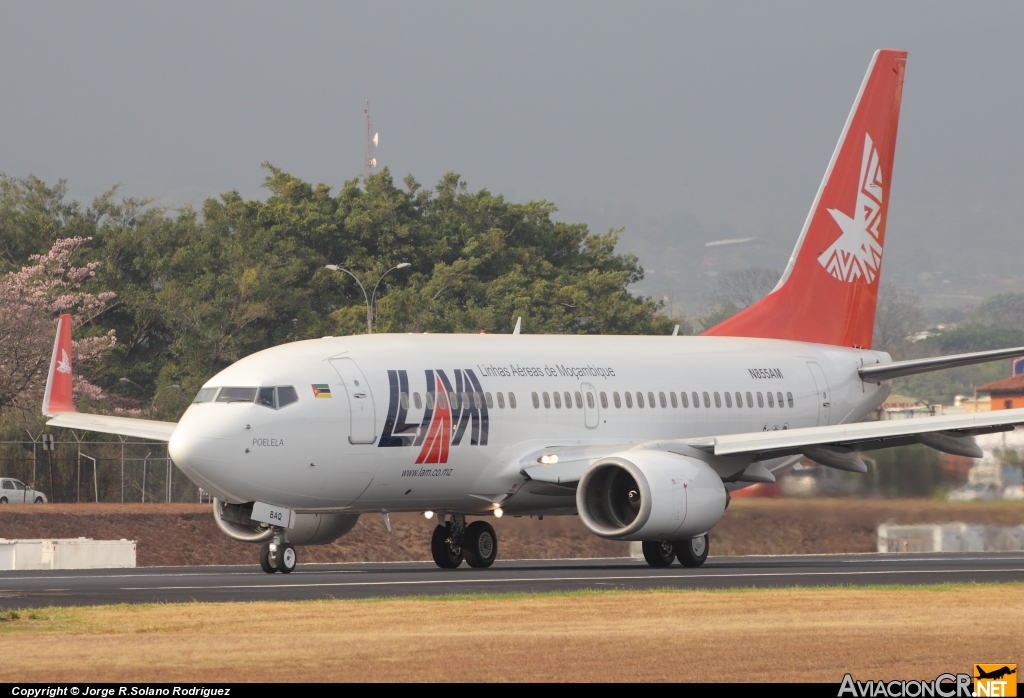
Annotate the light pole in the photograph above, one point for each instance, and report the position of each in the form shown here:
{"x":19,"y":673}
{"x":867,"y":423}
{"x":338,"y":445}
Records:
{"x":372,"y":298}
{"x":152,"y":404}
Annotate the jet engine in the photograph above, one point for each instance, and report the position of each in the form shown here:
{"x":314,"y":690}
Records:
{"x":650,"y":495}
{"x":310,"y":529}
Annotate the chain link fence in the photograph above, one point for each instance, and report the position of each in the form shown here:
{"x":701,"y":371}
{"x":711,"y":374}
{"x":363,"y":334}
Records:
{"x":98,"y":471}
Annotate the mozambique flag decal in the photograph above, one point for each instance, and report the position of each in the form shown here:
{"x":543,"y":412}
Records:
{"x":321,"y":390}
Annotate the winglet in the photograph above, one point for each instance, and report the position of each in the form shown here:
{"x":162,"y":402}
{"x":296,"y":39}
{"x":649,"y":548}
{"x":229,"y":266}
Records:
{"x":58,"y":397}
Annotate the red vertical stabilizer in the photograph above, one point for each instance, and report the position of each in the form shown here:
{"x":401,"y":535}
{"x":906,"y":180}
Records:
{"x":58,"y":396}
{"x":828,"y":292}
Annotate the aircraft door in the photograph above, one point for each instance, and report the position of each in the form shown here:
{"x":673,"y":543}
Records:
{"x":590,"y":406}
{"x":362,"y":420}
{"x":821,"y":392}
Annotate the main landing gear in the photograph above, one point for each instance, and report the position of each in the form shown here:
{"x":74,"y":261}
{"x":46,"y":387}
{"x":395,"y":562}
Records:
{"x":454,"y":541}
{"x":278,"y":555}
{"x":691,"y":553}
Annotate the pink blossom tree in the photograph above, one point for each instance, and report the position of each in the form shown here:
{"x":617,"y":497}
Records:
{"x":30,"y":301}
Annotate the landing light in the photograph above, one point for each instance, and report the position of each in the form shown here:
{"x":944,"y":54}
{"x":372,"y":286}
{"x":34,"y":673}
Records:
{"x":548,"y":459}
{"x":428,"y":515}
{"x":498,"y":513}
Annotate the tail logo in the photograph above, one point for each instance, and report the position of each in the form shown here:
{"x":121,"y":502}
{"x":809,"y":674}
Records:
{"x":858,"y":251}
{"x":64,"y":365}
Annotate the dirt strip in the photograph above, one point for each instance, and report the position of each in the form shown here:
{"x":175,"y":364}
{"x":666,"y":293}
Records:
{"x":184,"y":534}
{"x":777,"y":635}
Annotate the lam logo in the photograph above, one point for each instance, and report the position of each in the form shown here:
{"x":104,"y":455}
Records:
{"x":450,"y":410}
{"x":64,"y":365}
{"x":858,"y":251}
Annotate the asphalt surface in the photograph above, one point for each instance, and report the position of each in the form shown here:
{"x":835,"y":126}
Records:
{"x":24,"y":589}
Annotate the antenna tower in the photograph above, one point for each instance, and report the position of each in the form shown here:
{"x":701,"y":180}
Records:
{"x":371,"y":141}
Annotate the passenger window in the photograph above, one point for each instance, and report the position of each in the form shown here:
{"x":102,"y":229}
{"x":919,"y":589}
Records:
{"x":467,"y":400}
{"x":286,"y":395}
{"x":771,"y":401}
{"x":750,"y":400}
{"x":674,"y":402}
{"x":501,"y":401}
{"x":686,"y":401}
{"x":616,"y":400}
{"x":205,"y":395}
{"x":728,"y":400}
{"x":718,"y":400}
{"x":707,"y":400}
{"x":629,"y":400}
{"x":590,"y":400}
{"x":739,"y":400}
{"x":558,"y":399}
{"x":696,"y":399}
{"x":266,"y":398}
{"x":639,"y":399}
{"x":661,"y":399}
{"x":579,"y":400}
{"x":650,"y":400}
{"x":568,"y":400}
{"x":779,"y":397}
{"x":512,"y":400}
{"x":789,"y":398}
{"x":536,"y":401}
{"x":604,"y":400}
{"x":404,"y":398}
{"x":478,"y":400}
{"x":760,"y":400}
{"x":547,"y":400}
{"x":237,"y":395}
{"x":416,"y":401}
{"x":453,"y":400}
{"x":430,"y":401}
{"x":441,"y":401}
{"x":490,"y":400}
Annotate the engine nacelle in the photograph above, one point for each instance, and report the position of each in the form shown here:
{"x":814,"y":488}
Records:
{"x":650,"y":495}
{"x":235,"y":521}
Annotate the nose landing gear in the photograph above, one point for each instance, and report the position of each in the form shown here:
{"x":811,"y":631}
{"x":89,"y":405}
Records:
{"x":278,"y":555}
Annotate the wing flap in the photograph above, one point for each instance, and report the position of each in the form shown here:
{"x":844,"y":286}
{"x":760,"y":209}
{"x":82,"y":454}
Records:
{"x":123,"y":426}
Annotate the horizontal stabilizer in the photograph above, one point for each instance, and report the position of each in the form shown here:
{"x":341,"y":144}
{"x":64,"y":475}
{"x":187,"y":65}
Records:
{"x":898,"y":369}
{"x":124,"y":426}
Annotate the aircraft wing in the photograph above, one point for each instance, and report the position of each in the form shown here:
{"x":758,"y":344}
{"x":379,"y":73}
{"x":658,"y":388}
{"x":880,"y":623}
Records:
{"x":104,"y":424}
{"x":862,"y":436}
{"x":59,"y":404}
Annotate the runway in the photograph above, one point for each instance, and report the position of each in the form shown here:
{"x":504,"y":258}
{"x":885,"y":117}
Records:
{"x":26,"y":589}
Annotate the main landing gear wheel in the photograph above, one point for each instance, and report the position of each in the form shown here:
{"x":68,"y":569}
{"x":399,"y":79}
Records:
{"x":447,"y":554}
{"x":694,"y":552}
{"x":268,"y":559}
{"x":659,"y":553}
{"x":39,"y":500}
{"x":480,"y":544}
{"x":286,"y":558}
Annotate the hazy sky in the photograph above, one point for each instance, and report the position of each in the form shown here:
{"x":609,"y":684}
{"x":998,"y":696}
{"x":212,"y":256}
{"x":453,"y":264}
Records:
{"x":684,"y":123}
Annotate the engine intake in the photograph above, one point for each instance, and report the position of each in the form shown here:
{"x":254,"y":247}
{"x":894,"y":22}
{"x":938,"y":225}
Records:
{"x":650,"y":495}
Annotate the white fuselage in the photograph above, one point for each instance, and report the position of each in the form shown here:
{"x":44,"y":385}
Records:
{"x":382,"y":440}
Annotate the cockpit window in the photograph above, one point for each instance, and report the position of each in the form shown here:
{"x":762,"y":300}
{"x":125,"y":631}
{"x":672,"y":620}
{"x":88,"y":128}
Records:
{"x":205,"y":395}
{"x":237,"y":395}
{"x":286,"y":396}
{"x":266,"y":398}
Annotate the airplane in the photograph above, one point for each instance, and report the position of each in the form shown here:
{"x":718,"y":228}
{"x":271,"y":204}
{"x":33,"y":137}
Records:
{"x":642,"y":437}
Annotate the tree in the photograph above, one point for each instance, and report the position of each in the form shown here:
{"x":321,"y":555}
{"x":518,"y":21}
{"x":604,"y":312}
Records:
{"x":897,"y":319}
{"x":30,"y":300}
{"x":737,"y":290}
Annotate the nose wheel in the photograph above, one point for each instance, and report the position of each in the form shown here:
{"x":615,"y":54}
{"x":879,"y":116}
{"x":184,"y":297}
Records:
{"x":278,"y":556}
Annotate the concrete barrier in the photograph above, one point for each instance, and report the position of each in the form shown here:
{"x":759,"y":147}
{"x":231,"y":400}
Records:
{"x":949,"y":538}
{"x":66,"y":554}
